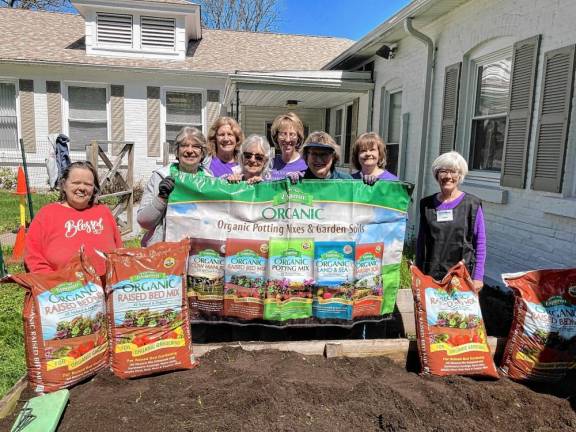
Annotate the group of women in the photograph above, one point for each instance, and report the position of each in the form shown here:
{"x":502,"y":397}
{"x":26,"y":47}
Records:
{"x":451,"y":221}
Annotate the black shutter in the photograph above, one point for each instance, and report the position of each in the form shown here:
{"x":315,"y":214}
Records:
{"x":553,"y":119}
{"x":521,"y":104}
{"x":450,"y":107}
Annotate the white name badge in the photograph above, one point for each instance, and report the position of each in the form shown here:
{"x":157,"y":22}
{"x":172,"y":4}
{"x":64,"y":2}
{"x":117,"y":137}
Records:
{"x":444,"y":216}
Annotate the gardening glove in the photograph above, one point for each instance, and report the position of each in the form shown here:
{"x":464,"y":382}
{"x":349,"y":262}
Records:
{"x":166,"y":187}
{"x":370,"y":180}
{"x":295,"y":176}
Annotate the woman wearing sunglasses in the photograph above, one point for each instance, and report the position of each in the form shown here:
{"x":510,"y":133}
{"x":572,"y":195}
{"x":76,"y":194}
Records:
{"x":254,"y":161}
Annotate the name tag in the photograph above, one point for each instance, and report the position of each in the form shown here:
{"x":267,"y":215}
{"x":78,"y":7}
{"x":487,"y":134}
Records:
{"x":444,"y":216}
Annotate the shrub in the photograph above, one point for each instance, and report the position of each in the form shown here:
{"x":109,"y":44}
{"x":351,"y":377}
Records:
{"x":7,"y":179}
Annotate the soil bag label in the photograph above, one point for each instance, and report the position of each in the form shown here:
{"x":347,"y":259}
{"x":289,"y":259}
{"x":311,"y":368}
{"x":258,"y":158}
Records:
{"x":148,"y":310}
{"x":290,"y":279}
{"x":367,"y":296}
{"x":245,"y":280}
{"x":451,"y":335}
{"x":542,"y":341}
{"x":334,"y":278}
{"x":64,"y":325}
{"x":206,"y":278}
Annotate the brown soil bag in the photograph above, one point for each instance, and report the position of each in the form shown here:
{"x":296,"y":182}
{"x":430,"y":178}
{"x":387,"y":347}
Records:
{"x":449,"y":325}
{"x":148,"y":309}
{"x":64,"y":325}
{"x":542,"y":341}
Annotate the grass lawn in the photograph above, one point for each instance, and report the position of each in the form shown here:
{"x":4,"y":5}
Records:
{"x":10,"y":209}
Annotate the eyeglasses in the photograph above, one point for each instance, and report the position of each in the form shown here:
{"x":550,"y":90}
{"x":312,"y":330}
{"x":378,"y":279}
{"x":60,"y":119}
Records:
{"x":446,"y":171}
{"x":287,"y":134}
{"x":258,"y":156}
{"x":196,"y":147}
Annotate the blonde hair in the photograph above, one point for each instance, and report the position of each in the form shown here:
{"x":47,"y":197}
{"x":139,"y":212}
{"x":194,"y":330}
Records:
{"x":367,"y":140}
{"x":213,"y":131}
{"x":287,"y":119}
{"x":451,"y":160}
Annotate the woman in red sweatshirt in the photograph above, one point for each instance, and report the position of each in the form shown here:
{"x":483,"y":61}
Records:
{"x":60,"y":229}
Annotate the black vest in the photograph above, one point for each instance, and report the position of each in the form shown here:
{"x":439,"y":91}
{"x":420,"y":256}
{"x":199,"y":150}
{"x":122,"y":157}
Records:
{"x":451,"y":241}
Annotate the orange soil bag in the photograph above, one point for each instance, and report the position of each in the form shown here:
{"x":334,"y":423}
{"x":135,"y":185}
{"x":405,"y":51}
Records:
{"x":64,"y":325}
{"x":449,"y":325}
{"x":148,"y":309}
{"x":542,"y":341}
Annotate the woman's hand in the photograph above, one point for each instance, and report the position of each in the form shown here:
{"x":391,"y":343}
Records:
{"x":295,"y":176}
{"x":478,"y":284}
{"x":253,"y":180}
{"x":234,"y":178}
{"x":370,"y":180}
{"x":166,"y":187}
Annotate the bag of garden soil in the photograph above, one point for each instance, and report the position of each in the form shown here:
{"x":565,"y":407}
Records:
{"x":148,"y":309}
{"x":542,"y":341}
{"x":290,"y":279}
{"x":206,"y":279}
{"x":334,"y":278}
{"x":245,"y":278}
{"x":451,"y":335}
{"x":64,"y":325}
{"x":367,"y":296}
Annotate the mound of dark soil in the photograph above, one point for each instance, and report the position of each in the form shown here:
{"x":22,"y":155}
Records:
{"x":236,"y":390}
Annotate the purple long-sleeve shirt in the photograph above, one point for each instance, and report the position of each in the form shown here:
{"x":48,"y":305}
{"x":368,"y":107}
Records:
{"x":386,"y":175}
{"x":479,"y":237}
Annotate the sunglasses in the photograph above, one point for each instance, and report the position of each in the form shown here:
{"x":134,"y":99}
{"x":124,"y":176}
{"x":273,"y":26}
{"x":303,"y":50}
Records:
{"x":259,"y":157}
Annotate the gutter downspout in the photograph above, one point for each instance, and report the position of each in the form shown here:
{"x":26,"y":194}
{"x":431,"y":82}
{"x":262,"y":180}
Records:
{"x":430,"y":60}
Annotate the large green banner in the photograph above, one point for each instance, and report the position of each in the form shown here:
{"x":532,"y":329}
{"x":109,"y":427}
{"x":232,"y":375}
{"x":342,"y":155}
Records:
{"x":276,"y":253}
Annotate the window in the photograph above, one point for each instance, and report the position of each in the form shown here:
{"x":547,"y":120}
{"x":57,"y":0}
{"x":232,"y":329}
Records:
{"x":490,"y":114}
{"x":8,"y":119}
{"x":182,"y":109}
{"x":157,"y":32}
{"x":87,"y":116}
{"x":338,"y":127}
{"x":114,"y":29}
{"x":393,"y":131}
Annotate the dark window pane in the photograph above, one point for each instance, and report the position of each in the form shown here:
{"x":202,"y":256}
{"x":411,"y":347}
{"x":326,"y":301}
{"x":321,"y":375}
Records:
{"x":395,"y":114}
{"x":488,"y":143}
{"x":184,"y":108}
{"x":493,"y":88}
{"x":87,"y":103}
{"x":83,"y":133}
{"x":392,"y":158}
{"x":348,"y":139}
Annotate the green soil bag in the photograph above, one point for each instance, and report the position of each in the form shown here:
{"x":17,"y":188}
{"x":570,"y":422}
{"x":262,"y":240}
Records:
{"x":42,"y":413}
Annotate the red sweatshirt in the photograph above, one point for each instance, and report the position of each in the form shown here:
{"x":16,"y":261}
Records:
{"x":57,"y":232}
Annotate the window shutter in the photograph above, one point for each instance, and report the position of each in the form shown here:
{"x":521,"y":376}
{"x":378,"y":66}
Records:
{"x":54,"y":101}
{"x":153,"y":121}
{"x":114,"y":29}
{"x":117,"y":110}
{"x":213,"y":107}
{"x":450,"y":107}
{"x":521,"y":103}
{"x":27,"y":117}
{"x":158,"y":32}
{"x":553,"y":119}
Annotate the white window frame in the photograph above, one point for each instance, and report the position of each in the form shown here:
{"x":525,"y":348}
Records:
{"x":467,"y":105}
{"x":163,"y":91}
{"x":75,"y":154}
{"x":333,"y":111}
{"x":386,"y":126}
{"x":16,"y":152}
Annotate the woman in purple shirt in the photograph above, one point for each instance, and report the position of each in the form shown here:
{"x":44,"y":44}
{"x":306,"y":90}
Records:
{"x":451,"y":224}
{"x":369,"y":158}
{"x":288,"y":134}
{"x":224,"y":139}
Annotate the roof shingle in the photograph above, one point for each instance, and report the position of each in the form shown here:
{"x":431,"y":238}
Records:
{"x":58,"y":38}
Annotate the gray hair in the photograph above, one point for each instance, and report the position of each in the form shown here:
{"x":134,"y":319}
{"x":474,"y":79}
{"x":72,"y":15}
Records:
{"x":187,"y":134}
{"x":266,"y":149}
{"x":451,"y":160}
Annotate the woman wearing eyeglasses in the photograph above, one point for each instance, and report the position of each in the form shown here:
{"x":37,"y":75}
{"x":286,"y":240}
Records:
{"x":288,"y":134}
{"x":190,"y":152}
{"x":255,"y":161}
{"x":451,"y":224}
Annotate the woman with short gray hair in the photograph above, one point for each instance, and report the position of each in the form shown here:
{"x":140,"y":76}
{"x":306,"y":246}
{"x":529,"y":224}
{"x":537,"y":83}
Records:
{"x":255,"y":160}
{"x":451,"y":224}
{"x":190,"y":152}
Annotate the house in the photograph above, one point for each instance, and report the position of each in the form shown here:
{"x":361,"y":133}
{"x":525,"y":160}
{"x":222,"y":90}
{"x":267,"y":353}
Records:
{"x":494,"y":80}
{"x":138,"y":70}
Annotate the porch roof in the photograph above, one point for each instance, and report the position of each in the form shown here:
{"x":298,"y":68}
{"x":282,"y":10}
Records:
{"x":312,"y":89}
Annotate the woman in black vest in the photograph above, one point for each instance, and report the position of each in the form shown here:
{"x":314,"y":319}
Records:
{"x":451,"y":224}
